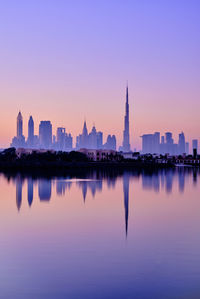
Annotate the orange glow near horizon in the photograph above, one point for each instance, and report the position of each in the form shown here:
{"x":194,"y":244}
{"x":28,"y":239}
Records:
{"x":67,"y":63}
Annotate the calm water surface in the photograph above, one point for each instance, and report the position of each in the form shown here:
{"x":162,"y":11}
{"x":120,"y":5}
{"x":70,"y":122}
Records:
{"x":101,"y":235}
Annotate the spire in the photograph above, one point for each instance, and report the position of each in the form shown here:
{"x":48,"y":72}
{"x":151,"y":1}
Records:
{"x":127,"y":93}
{"x":19,"y":115}
{"x":19,"y":125}
{"x":126,"y":134}
{"x":85,"y":131}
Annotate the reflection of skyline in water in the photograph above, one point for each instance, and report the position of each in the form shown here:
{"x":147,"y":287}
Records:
{"x":150,"y":181}
{"x":62,"y":186}
{"x":126,"y":178}
{"x":30,"y":191}
{"x":165,"y":180}
{"x":18,"y":192}
{"x":148,"y":223}
{"x":44,"y":189}
{"x":92,"y":185}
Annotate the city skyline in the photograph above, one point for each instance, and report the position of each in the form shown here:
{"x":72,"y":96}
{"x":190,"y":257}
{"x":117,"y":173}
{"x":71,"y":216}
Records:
{"x":153,"y":143}
{"x":60,"y":63}
{"x":95,"y":140}
{"x":100,"y":149}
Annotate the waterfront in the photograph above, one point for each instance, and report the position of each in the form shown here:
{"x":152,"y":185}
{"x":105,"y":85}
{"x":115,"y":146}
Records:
{"x":101,"y":235}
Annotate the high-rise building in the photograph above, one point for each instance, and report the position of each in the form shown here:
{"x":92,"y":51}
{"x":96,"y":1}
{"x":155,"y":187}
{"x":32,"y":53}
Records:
{"x":19,"y":125}
{"x":187,"y":145}
{"x":92,"y":139}
{"x":45,"y":134}
{"x":19,"y":140}
{"x":60,"y":137}
{"x":126,"y":136}
{"x":181,"y":143}
{"x":169,"y":143}
{"x":195,"y":144}
{"x":82,"y":139}
{"x":110,"y":143}
{"x":156,"y":142}
{"x":68,"y":142}
{"x":99,"y":140}
{"x":30,"y":141}
{"x":147,"y":143}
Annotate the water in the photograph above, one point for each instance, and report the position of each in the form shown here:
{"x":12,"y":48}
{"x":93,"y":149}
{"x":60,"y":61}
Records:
{"x":101,"y":235}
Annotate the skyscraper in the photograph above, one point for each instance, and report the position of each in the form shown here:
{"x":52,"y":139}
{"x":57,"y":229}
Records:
{"x":30,"y":132}
{"x":84,"y":139}
{"x":181,"y":143}
{"x":19,"y":140}
{"x":169,"y":143}
{"x":19,"y":125}
{"x":110,"y":143}
{"x":60,"y":136}
{"x":99,"y":140}
{"x":195,"y":144}
{"x":147,"y":143}
{"x":126,"y":137}
{"x":45,"y":134}
{"x":187,"y":145}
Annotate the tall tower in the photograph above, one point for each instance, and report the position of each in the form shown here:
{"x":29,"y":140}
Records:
{"x":126,"y":136}
{"x":30,"y":131}
{"x":181,"y":143}
{"x":19,"y":125}
{"x":84,"y":137}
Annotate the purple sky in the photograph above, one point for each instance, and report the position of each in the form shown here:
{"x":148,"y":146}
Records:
{"x":69,"y":60}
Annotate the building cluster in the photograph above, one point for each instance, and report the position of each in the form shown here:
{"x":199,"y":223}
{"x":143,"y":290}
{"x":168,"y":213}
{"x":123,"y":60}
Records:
{"x":64,"y":141}
{"x":93,"y":141}
{"x":154,"y":144}
{"x":45,"y":139}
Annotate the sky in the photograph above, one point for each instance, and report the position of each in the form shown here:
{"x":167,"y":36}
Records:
{"x":67,"y":61}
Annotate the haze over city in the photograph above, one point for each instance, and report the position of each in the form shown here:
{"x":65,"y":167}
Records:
{"x":68,"y":62}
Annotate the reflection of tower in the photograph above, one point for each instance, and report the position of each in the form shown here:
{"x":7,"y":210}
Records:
{"x":18,"y":193}
{"x":44,"y":189}
{"x":126,"y":199}
{"x":84,"y":190}
{"x":30,"y":191}
{"x":194,"y":176}
{"x":93,"y":186}
{"x":60,"y":187}
{"x":181,"y":180}
{"x":169,"y":181}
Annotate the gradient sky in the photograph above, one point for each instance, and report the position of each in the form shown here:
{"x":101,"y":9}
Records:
{"x":68,"y":60}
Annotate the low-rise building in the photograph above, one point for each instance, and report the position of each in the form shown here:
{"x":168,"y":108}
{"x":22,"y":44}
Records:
{"x":100,"y":155}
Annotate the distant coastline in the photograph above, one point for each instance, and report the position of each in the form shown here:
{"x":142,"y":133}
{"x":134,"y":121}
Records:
{"x":34,"y":161}
{"x":61,"y":161}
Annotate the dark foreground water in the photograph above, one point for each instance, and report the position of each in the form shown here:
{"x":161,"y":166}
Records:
{"x":101,"y":235}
